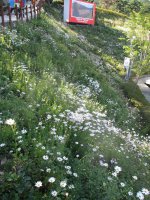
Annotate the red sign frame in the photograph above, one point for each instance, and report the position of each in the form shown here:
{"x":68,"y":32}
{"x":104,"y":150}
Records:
{"x":82,"y":20}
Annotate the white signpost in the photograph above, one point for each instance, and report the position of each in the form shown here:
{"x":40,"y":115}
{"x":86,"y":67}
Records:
{"x":127,"y":66}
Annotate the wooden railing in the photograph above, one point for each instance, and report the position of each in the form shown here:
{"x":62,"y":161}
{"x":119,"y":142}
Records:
{"x":30,"y":11}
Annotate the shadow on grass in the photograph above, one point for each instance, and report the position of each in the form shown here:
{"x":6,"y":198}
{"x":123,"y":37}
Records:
{"x":104,"y":37}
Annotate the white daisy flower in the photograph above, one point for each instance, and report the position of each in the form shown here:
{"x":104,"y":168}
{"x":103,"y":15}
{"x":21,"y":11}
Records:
{"x":63,"y":184}
{"x":45,"y":157}
{"x":51,"y":180}
{"x":54,"y":193}
{"x":38,"y":184}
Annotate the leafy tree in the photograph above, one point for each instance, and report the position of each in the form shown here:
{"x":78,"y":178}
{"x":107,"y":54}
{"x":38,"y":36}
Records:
{"x":140,"y":43}
{"x":146,"y":7}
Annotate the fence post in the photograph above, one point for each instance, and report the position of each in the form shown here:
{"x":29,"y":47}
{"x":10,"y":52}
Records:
{"x":31,"y":11}
{"x":16,"y":12}
{"x":37,"y":10}
{"x":20,"y":14}
{"x":34,"y":10}
{"x":9,"y":14}
{"x":27,"y":13}
{"x":40,"y":6}
{"x":2,"y":15}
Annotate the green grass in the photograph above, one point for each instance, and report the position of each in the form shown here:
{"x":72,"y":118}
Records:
{"x":64,"y":114}
{"x":109,"y":13}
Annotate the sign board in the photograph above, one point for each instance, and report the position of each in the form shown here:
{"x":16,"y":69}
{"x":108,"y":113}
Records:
{"x":127,"y":62}
{"x":78,"y":11}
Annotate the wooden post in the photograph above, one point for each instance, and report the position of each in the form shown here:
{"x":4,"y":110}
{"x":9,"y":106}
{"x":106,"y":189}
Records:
{"x":16,"y":12}
{"x":27,"y":13}
{"x":2,"y":15}
{"x":9,"y":14}
{"x":38,"y":9}
{"x":40,"y":6}
{"x":31,"y":11}
{"x":34,"y":10}
{"x":21,"y":13}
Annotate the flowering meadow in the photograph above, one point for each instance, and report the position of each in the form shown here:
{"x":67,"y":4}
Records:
{"x":67,"y":130}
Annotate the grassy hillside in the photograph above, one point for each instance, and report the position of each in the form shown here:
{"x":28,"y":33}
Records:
{"x":67,"y":130}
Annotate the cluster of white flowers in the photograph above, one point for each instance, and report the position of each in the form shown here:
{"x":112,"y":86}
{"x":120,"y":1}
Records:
{"x":117,"y":171}
{"x":103,"y":164}
{"x":23,"y":131}
{"x":145,"y":191}
{"x":84,"y":91}
{"x":93,"y":84}
{"x":10,"y":122}
{"x":83,"y":119}
{"x":96,"y":123}
{"x":15,"y":38}
{"x":141,"y":194}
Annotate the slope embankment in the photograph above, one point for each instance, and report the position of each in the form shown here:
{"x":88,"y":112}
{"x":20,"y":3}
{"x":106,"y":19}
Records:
{"x":67,"y":130}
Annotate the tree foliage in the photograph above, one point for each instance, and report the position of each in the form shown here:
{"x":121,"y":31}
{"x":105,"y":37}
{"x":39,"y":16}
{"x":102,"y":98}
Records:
{"x":140,"y":42}
{"x":127,"y":6}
